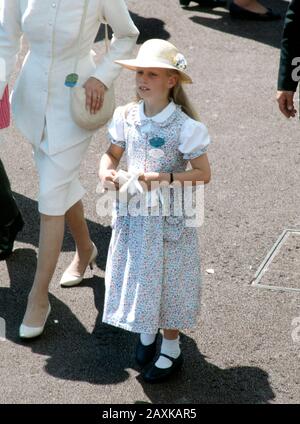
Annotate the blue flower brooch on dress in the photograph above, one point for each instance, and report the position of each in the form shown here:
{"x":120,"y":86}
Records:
{"x":157,"y":142}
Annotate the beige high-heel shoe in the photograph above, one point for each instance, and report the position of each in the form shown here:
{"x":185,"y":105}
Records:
{"x":26,"y":332}
{"x":69,"y":280}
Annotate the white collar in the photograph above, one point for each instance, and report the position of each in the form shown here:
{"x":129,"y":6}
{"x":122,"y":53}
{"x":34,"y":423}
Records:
{"x":161,"y":116}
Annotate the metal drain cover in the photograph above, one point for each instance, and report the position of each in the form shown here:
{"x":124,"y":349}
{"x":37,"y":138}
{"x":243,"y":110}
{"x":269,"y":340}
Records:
{"x":280,"y":269}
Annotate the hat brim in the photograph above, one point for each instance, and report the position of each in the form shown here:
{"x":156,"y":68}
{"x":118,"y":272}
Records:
{"x":134,"y":65}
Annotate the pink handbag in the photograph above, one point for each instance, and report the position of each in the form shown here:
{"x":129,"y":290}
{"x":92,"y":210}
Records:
{"x":5,"y":110}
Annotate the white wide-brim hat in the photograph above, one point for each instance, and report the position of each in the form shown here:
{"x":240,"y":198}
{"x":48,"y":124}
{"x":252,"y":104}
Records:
{"x":158,"y":53}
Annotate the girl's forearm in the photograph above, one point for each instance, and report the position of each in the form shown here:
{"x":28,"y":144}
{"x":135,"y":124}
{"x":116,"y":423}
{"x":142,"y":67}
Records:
{"x":195,"y":176}
{"x":108,"y":162}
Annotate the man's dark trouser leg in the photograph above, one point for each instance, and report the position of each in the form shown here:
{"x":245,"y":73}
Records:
{"x":10,"y":217}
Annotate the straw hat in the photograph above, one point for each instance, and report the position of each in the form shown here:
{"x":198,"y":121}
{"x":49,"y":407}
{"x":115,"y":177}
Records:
{"x":158,"y":53}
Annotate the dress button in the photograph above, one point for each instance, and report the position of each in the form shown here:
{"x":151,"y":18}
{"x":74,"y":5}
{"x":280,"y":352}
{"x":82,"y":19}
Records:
{"x":53,"y":4}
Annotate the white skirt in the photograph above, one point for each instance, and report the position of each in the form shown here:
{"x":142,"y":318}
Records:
{"x":59,"y":185}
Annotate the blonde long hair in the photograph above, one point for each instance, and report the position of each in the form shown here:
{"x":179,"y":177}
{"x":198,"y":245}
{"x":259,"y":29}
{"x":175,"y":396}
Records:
{"x":180,"y":98}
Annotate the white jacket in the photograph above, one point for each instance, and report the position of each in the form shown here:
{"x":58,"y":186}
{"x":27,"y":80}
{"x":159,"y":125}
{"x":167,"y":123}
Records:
{"x":51,"y":28}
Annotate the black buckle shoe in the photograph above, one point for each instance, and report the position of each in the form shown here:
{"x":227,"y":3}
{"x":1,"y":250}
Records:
{"x":153,"y":374}
{"x":145,"y":354}
{"x":241,"y":13}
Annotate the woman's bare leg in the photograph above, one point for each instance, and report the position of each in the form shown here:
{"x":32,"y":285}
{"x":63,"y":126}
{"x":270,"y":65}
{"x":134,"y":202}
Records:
{"x":51,"y":238}
{"x":79,"y":230}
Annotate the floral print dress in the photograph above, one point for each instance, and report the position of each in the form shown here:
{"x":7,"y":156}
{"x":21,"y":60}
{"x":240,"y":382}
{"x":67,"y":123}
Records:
{"x":153,"y":275}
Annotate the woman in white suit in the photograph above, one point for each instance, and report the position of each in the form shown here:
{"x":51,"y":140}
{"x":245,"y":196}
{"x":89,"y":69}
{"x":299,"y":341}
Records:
{"x":41,"y":108}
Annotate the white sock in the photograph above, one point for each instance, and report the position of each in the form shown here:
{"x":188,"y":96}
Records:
{"x":170,"y":348}
{"x":147,"y":339}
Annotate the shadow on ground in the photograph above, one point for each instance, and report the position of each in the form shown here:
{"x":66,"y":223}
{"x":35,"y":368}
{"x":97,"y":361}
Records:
{"x":148,"y":27}
{"x":30,"y":233}
{"x":263,"y":32}
{"x":104,"y":356}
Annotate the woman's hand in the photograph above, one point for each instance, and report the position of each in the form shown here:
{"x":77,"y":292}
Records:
{"x":94,"y":91}
{"x":107,"y":179}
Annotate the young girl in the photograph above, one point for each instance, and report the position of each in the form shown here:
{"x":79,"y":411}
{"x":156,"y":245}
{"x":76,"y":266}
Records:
{"x":153,"y":267}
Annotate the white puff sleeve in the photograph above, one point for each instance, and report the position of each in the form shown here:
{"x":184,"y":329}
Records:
{"x":115,"y":131}
{"x":194,"y":139}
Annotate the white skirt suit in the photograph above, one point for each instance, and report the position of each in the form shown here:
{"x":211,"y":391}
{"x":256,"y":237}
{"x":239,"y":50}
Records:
{"x":40,"y":100}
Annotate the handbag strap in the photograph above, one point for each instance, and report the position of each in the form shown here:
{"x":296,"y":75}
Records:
{"x":80,"y":35}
